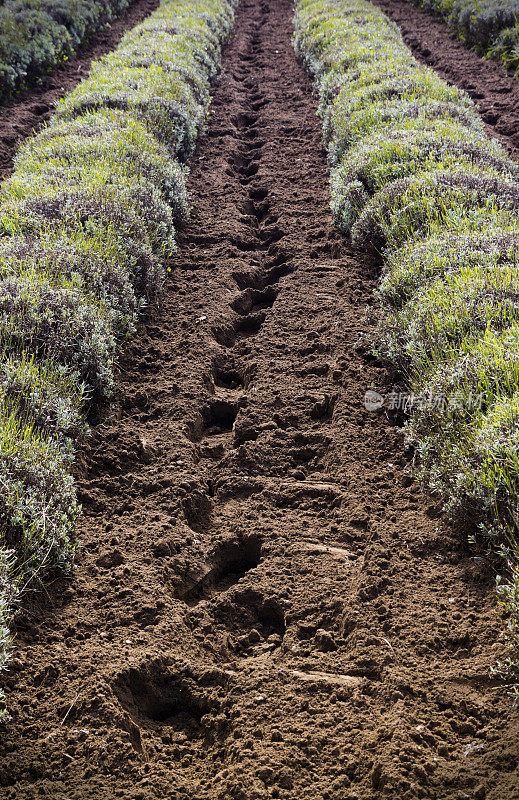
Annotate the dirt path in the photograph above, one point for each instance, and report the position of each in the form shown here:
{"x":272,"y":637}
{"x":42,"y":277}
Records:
{"x":263,"y":607}
{"x":495,"y":91}
{"x":27,"y":112}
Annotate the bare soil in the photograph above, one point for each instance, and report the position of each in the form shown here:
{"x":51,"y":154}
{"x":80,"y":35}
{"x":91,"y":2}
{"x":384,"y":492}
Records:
{"x":27,"y":111}
{"x":264,"y":606}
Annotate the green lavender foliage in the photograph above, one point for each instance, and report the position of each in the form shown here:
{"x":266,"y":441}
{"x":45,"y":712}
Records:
{"x":419,"y":186}
{"x":491,"y":26}
{"x":87,"y":220}
{"x":36,"y":35}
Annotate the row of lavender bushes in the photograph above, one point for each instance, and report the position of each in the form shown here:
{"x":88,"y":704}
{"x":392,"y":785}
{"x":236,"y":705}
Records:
{"x":418,"y":184}
{"x":87,"y":221}
{"x":36,"y":35}
{"x":491,"y":26}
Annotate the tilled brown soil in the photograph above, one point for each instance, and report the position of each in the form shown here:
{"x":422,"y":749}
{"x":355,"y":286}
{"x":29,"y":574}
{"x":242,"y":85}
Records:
{"x":264,"y":607}
{"x":28,"y":110}
{"x":495,"y":90}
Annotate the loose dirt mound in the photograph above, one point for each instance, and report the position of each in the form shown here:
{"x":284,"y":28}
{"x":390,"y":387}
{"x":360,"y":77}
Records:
{"x":263,"y":607}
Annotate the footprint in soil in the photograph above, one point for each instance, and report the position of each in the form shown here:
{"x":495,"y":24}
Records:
{"x":219,"y":417}
{"x":260,"y":279}
{"x":216,"y":417}
{"x":244,"y":121}
{"x":228,"y":375}
{"x":323,"y":407}
{"x":157,"y":694}
{"x":229,"y":378}
{"x":253,"y":300}
{"x":257,"y":144}
{"x":197,"y":508}
{"x":259,"y":193}
{"x":249,"y":325}
{"x":256,"y":209}
{"x":226,"y":334}
{"x":250,"y":169}
{"x":226,"y":564}
{"x":308,"y":449}
{"x":271,"y":234}
{"x":249,"y":610}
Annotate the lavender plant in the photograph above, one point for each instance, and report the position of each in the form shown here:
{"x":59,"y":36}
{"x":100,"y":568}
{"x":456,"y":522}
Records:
{"x":491,"y":26}
{"x":421,"y":188}
{"x":87,"y":220}
{"x":36,"y":35}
